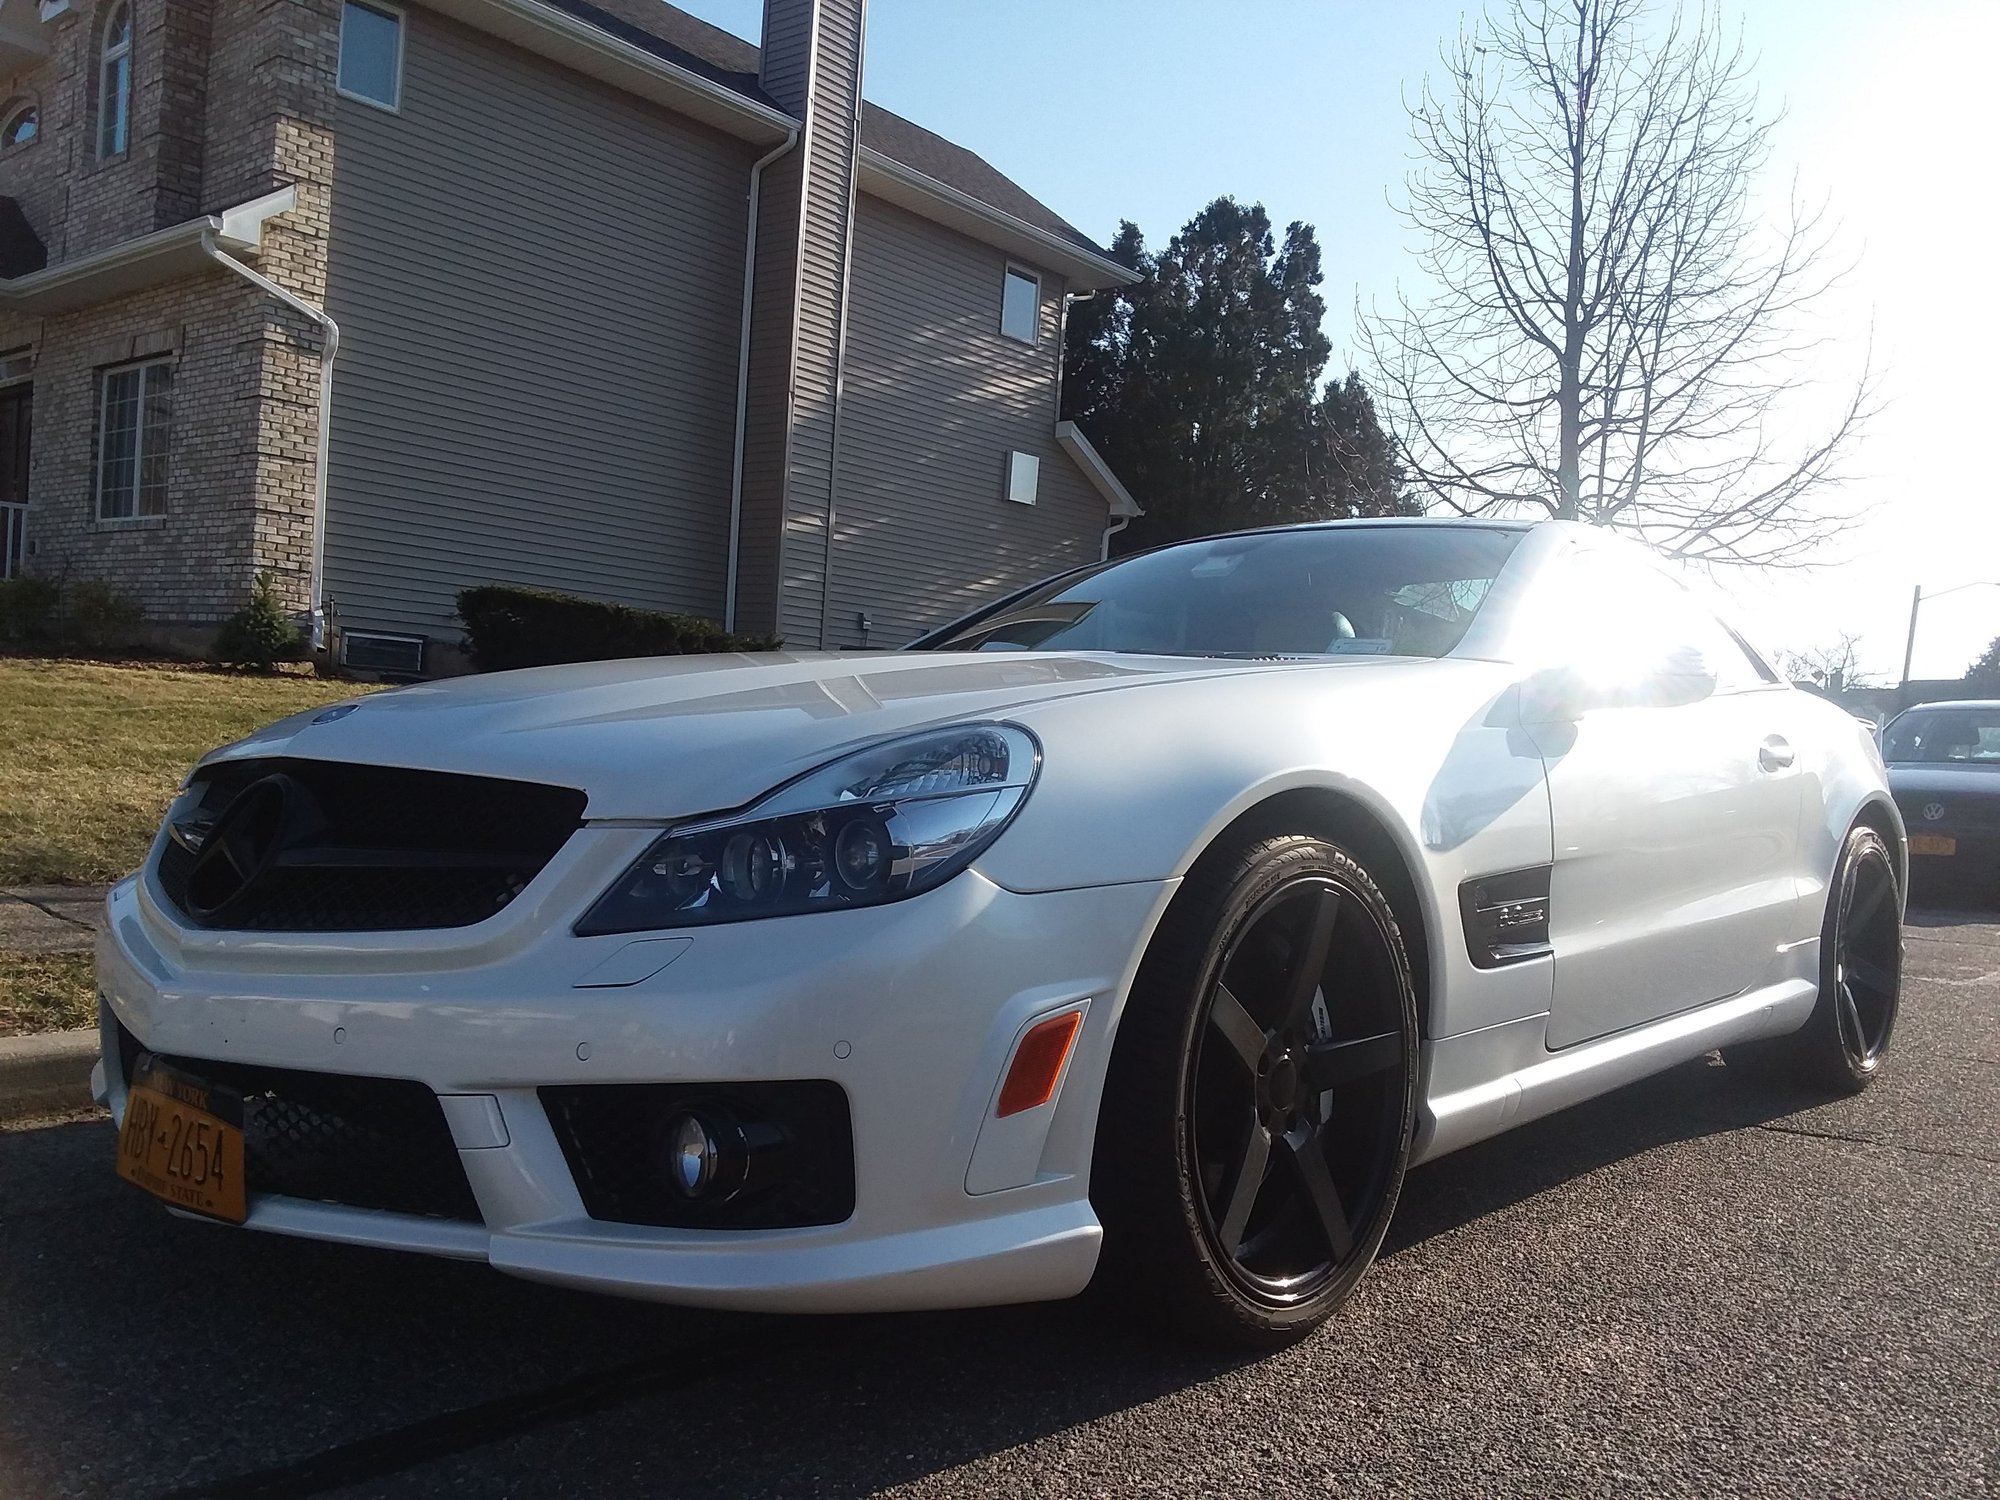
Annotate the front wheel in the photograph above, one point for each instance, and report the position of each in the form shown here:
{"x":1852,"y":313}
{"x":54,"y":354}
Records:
{"x":1261,"y":1098}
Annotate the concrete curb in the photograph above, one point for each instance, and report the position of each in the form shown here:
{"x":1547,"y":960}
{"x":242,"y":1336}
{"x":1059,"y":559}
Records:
{"x":46,"y":1074}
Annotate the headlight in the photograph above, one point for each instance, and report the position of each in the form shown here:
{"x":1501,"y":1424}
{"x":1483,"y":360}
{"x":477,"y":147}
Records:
{"x":890,"y":821}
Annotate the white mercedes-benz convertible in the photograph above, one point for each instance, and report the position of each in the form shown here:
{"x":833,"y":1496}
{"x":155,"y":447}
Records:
{"x":1147,"y":925}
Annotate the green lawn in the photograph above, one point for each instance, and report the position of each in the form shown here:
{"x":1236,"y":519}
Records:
{"x":91,"y":754}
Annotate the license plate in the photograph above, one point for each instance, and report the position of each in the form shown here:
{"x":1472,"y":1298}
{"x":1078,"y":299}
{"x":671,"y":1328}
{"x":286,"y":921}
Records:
{"x":182,"y":1141}
{"x":1933,"y":843}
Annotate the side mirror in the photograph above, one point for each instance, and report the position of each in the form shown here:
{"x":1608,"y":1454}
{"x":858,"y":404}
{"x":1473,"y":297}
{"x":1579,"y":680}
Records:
{"x":1554,"y":695}
{"x":1562,"y":695}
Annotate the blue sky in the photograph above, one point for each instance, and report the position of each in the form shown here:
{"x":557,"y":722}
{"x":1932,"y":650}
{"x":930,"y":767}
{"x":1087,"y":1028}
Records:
{"x":1109,"y":109}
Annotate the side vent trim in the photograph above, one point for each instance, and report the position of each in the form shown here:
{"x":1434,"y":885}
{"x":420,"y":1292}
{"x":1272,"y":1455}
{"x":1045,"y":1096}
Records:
{"x":1506,"y":917}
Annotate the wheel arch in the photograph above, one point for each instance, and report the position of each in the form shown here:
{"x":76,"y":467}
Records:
{"x":1878,"y":813}
{"x":1344,"y":817}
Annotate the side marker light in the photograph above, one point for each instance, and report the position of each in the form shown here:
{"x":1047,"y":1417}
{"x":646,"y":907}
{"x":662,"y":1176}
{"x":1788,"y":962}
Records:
{"x":1038,"y":1063}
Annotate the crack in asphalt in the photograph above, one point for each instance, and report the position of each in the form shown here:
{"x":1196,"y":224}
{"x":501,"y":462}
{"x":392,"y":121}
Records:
{"x":47,"y":910}
{"x":454,"y":1432}
{"x":1862,"y":1140}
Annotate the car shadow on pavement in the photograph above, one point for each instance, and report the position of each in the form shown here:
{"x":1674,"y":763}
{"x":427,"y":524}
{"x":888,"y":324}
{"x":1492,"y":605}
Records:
{"x":142,"y":1355}
{"x":1695,"y":1099}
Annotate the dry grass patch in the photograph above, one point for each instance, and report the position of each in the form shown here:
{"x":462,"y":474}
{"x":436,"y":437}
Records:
{"x":46,"y":992}
{"x":91,"y":754}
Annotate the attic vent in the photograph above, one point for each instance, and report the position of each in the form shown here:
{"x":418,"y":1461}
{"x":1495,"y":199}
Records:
{"x":375,"y":651}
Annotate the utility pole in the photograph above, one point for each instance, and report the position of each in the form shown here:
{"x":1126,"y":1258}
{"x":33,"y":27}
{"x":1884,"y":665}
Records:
{"x":1909,"y":646}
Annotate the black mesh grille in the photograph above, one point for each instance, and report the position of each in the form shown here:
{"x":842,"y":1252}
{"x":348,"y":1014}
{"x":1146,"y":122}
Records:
{"x":801,"y":1165}
{"x":380,"y":848}
{"x":333,"y":1138}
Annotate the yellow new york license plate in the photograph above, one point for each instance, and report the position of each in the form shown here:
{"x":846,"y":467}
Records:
{"x":182,"y":1141}
{"x":1933,"y":843}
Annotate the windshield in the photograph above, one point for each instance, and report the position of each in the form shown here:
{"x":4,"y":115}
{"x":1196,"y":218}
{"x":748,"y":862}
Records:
{"x":1329,"y":591}
{"x":1937,"y":736}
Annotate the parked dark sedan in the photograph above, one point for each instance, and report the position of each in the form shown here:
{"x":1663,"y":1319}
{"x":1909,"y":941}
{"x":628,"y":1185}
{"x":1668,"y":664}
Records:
{"x":1944,"y":770}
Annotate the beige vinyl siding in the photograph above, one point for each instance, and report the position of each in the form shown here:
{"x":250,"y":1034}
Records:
{"x":538,"y":283}
{"x":936,"y":398}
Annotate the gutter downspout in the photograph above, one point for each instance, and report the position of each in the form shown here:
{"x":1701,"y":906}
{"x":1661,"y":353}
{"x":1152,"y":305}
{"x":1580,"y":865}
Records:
{"x":330,"y":347}
{"x":743,"y":372}
{"x":1104,"y":549}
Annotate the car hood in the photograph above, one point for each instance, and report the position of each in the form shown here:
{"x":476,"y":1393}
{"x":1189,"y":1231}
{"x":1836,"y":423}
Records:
{"x":1944,"y":780}
{"x":665,"y":737}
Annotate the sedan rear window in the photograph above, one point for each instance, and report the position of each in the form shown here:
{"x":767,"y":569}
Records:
{"x":1332,"y":591}
{"x":1944,"y":735}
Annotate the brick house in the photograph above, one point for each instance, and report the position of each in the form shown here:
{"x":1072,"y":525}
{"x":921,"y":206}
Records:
{"x":625,"y":306}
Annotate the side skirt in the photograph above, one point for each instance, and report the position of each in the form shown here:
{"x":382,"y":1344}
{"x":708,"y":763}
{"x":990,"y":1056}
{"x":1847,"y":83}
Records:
{"x":1479,"y":1083}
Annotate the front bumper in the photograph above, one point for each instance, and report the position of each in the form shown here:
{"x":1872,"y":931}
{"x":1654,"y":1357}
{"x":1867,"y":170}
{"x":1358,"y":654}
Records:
{"x":912,"y":1008}
{"x":1972,"y":868}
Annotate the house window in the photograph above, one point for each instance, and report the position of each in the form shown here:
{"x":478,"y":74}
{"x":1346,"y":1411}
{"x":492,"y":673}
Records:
{"x":1021,"y":305}
{"x":1024,"y":472}
{"x":114,"y":84}
{"x":371,"y":54}
{"x":134,"y":417}
{"x":22,"y":126}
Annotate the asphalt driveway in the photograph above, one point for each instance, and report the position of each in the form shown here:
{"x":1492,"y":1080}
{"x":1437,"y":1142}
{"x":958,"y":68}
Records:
{"x":1696,"y":1286}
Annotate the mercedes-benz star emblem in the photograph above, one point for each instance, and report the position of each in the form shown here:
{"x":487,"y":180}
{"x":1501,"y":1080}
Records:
{"x":1933,"y":811}
{"x":265,"y":818}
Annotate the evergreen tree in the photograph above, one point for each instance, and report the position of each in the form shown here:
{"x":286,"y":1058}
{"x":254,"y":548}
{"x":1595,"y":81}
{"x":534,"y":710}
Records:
{"x":1200,"y":384}
{"x":1983,"y":676}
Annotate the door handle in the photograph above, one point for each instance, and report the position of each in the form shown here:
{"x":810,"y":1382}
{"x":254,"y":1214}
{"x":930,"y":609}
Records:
{"x":1776,"y":753}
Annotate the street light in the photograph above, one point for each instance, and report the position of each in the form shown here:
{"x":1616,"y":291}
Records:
{"x":1916,"y":603}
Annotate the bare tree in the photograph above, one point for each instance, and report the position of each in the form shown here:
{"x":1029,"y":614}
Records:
{"x":1614,"y":327}
{"x":1832,"y":664}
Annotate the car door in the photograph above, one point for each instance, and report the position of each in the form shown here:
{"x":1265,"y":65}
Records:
{"x":1674,"y":796}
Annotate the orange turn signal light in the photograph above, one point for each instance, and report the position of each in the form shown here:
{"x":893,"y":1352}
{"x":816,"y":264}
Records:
{"x":1038,"y":1063}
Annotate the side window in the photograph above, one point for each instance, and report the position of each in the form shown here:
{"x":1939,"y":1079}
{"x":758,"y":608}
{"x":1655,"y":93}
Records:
{"x":1020,"y":305}
{"x":1615,"y":612}
{"x":371,"y":54}
{"x":114,"y":83}
{"x":23,"y":127}
{"x":134,"y":424}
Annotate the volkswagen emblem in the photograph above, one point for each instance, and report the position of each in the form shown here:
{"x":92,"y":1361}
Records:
{"x":1933,"y":811}
{"x":266,"y":818}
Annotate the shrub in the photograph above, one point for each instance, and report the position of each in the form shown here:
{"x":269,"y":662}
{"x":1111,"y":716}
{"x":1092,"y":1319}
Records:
{"x":97,"y":617}
{"x":27,"y":609}
{"x":260,"y":634}
{"x":510,"y":626}
{"x":85,"y":613}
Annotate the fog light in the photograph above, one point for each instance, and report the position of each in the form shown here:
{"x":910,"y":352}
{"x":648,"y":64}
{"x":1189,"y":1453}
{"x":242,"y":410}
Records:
{"x":694,"y":1155}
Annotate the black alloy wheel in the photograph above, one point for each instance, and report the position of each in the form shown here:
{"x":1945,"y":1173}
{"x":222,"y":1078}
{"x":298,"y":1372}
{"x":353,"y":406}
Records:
{"x":1840,"y":1048}
{"x":1261,"y":1099}
{"x":1863,"y":973}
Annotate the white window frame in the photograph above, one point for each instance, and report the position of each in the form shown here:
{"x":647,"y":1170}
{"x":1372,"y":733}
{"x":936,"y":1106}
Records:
{"x":133,"y":497}
{"x":107,"y":54}
{"x":395,"y":13}
{"x":1035,"y":318}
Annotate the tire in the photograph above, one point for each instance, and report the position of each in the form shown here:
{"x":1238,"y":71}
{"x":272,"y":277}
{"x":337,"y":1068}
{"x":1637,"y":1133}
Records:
{"x":1840,"y":1048}
{"x":1251,"y":1148}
